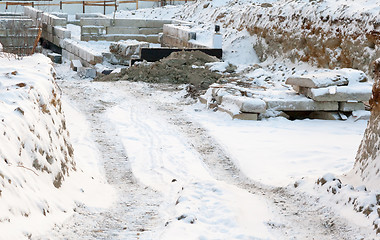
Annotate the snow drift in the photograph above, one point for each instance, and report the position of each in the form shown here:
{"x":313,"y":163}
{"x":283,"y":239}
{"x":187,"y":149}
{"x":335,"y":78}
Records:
{"x":35,"y":151}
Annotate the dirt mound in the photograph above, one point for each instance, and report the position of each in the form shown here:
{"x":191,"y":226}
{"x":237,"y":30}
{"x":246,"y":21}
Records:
{"x":178,"y":68}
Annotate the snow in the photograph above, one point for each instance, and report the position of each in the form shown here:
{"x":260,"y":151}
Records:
{"x":278,"y":151}
{"x":159,"y":156}
{"x":196,"y":204}
{"x":34,"y":149}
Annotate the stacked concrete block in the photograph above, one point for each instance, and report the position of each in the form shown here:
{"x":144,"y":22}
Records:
{"x":93,"y":27}
{"x":237,"y":106}
{"x":17,"y":34}
{"x":53,"y":26}
{"x":100,"y":27}
{"x":34,"y":14}
{"x":347,"y":88}
{"x":179,"y":35}
{"x":72,"y":50}
{"x":128,"y":49}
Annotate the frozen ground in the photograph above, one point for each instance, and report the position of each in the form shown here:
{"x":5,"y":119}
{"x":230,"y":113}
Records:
{"x":177,"y":170}
{"x":182,"y":170}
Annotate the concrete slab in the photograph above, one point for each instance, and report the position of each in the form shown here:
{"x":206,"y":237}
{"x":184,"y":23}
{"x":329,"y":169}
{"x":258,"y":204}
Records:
{"x":314,"y":83}
{"x":245,"y":104}
{"x":105,"y":22}
{"x":123,"y":30}
{"x":16,"y":23}
{"x":351,"y":106}
{"x":95,"y":30}
{"x":128,"y":48}
{"x":303,"y":104}
{"x":149,"y":31}
{"x":359,"y":92}
{"x":118,"y":37}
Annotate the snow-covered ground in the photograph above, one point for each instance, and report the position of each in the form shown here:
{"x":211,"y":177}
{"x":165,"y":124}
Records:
{"x":175,"y":169}
{"x":197,"y":202}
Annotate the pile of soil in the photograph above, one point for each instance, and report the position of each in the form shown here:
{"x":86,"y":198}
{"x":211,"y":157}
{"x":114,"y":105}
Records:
{"x":178,"y":68}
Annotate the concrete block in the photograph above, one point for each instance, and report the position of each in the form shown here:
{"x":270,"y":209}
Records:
{"x":202,"y":99}
{"x":91,"y":37}
{"x":155,"y":23}
{"x":327,"y":78}
{"x":351,"y":106}
{"x":241,"y":116}
{"x":47,"y":28}
{"x":301,"y":104}
{"x":61,"y":32}
{"x":60,"y":15}
{"x":128,"y":48}
{"x":78,"y":16}
{"x":105,"y":22}
{"x":16,"y":23}
{"x":149,"y":31}
{"x":318,"y":81}
{"x":87,"y":72}
{"x":127,"y":22}
{"x":56,"y":21}
{"x":116,"y":37}
{"x":116,"y":59}
{"x":17,"y":41}
{"x":359,"y":92}
{"x":244,"y":104}
{"x":123,"y":30}
{"x":55,"y":57}
{"x":75,"y":65}
{"x":153,"y":38}
{"x":95,"y":30}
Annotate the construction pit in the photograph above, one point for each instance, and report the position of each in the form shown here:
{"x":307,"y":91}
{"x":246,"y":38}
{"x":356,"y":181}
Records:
{"x":167,"y":51}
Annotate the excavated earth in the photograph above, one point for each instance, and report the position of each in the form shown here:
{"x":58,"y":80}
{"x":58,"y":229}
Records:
{"x":178,"y":68}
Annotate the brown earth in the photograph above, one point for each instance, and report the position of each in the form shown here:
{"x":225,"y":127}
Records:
{"x":178,"y":68}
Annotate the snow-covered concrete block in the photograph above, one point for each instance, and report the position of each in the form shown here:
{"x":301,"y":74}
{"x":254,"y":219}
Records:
{"x":75,"y":65}
{"x":127,"y":22}
{"x":245,"y":104}
{"x":153,"y":38}
{"x":78,"y":16}
{"x":128,"y":48}
{"x":357,"y":92}
{"x":239,"y":115}
{"x":97,"y":30}
{"x":123,"y":30}
{"x":105,"y":22}
{"x":156,"y":23}
{"x":326,"y":78}
{"x":149,"y":31}
{"x":61,"y":32}
{"x":351,"y":106}
{"x":60,"y":15}
{"x":119,"y":37}
{"x":302,"y":104}
{"x":16,"y":23}
{"x":87,"y":72}
{"x":55,"y":57}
